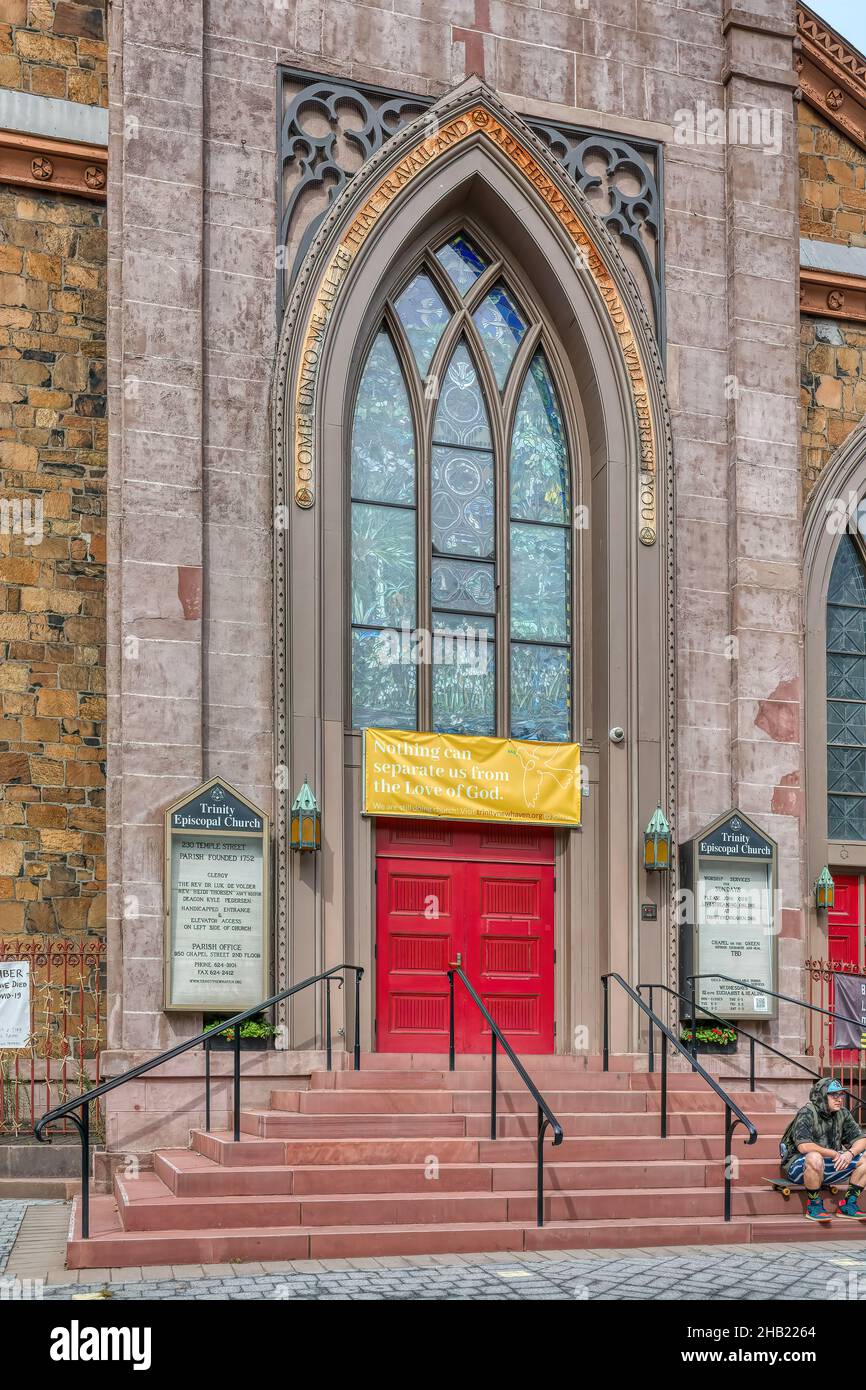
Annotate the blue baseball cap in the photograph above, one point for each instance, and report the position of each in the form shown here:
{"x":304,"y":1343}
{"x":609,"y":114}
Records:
{"x":834,"y":1088}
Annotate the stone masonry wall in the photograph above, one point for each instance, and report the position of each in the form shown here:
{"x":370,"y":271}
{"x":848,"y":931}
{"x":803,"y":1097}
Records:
{"x":53,"y":431}
{"x":54,"y":48}
{"x":193,"y":215}
{"x":832,"y":351}
{"x":52,"y":450}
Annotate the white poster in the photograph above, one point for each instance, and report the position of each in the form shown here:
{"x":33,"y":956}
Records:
{"x":735,"y":936}
{"x":14,"y":1003}
{"x":217,"y":913}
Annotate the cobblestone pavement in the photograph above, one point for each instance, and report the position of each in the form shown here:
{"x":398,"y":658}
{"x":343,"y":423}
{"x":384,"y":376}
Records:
{"x":829,"y":1270}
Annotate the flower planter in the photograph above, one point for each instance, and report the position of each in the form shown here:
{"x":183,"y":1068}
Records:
{"x":247,"y":1045}
{"x":715,"y":1047}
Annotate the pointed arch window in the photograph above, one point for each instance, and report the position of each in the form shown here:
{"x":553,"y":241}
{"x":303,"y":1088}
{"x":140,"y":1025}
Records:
{"x":461,"y":575}
{"x":846,"y":693}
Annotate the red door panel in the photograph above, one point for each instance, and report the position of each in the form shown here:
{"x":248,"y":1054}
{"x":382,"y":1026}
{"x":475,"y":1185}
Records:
{"x":485,"y":892}
{"x":418,"y":904}
{"x":843,"y":942}
{"x":509,"y":954}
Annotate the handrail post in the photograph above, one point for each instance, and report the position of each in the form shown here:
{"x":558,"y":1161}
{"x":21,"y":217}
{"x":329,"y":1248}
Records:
{"x":358,"y":1020}
{"x":85,"y":1170}
{"x":237,"y":1084}
{"x":727,"y":1163}
{"x":451,"y":1021}
{"x":328,"y":1054}
{"x":207,"y":1086}
{"x":493,"y":1085}
{"x":651,"y":1056}
{"x":694,"y":1047}
{"x":751,"y":1064}
{"x":539,"y":1170}
{"x":605,"y":1024}
{"x":663,"y":1098}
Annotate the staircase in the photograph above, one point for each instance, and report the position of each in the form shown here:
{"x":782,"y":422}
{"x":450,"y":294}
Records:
{"x":396,"y":1160}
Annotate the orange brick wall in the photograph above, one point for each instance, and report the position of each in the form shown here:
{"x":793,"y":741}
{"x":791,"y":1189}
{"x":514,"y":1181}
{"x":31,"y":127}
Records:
{"x":54,"y":48}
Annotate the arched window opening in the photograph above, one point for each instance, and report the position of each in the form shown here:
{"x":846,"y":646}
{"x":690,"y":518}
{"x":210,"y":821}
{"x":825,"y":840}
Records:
{"x":846,"y":693}
{"x":461,"y":511}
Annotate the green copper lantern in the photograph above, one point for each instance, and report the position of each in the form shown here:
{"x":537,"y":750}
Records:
{"x":306,"y":831}
{"x":825,"y":890}
{"x":657,"y":843}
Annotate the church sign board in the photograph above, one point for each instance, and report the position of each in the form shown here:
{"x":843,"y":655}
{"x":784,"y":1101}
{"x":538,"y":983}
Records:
{"x":217,"y":891}
{"x":729,"y":877}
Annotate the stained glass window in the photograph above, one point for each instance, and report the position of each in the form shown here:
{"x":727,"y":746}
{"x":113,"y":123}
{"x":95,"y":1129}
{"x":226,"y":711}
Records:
{"x":383,"y":596}
{"x":462,"y":261}
{"x":423,"y":315}
{"x":501,"y":328}
{"x":494,"y":507}
{"x":540,"y":544}
{"x":846,"y":694}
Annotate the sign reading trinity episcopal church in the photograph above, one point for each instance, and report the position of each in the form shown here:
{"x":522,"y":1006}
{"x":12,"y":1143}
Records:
{"x":463,"y":777}
{"x":217,"y":891}
{"x":731,"y":871}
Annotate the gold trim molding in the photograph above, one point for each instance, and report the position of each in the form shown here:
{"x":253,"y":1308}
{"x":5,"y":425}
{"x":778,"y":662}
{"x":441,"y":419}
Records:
{"x":587,"y":257}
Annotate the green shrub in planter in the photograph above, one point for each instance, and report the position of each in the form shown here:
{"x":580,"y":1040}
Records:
{"x":252,"y":1030}
{"x":716,"y":1037}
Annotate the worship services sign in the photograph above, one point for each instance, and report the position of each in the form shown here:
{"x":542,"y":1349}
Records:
{"x":14,"y":1003}
{"x":849,"y":999}
{"x":730,"y":872}
{"x":462,"y":777}
{"x":216,"y":901}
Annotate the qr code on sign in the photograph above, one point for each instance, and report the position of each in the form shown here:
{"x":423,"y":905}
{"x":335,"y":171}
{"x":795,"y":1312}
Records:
{"x":760,"y":1003}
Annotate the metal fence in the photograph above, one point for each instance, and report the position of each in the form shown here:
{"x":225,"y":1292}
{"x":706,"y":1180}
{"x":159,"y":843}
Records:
{"x":846,"y":1064}
{"x":67,"y":1029}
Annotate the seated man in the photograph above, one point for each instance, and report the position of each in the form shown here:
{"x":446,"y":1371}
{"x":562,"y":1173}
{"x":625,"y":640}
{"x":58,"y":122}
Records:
{"x":824,"y":1144}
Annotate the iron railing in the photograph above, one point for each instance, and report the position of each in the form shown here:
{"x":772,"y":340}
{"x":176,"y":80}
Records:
{"x":731,"y":1108}
{"x":83,"y":1102}
{"x":546,"y":1118}
{"x":786,"y":998}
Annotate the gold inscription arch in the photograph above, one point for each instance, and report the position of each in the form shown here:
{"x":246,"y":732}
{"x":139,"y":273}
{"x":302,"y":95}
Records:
{"x":586,"y":256}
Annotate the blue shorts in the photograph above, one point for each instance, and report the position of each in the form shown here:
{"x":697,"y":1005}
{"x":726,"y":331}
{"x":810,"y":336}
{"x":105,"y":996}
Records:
{"x":797,"y":1165}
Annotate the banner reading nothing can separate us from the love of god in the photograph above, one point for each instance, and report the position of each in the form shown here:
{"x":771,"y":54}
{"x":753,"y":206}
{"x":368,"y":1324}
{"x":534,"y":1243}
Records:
{"x":463,"y":777}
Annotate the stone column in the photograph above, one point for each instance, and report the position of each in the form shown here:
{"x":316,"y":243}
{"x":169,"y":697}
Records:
{"x":764,"y":554}
{"x":155,"y":479}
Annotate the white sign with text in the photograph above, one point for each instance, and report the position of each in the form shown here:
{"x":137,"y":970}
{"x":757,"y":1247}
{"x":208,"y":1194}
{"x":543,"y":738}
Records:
{"x":14,"y":1003}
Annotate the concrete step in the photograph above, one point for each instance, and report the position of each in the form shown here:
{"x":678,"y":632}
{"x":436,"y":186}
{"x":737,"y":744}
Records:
{"x":575,"y":1077}
{"x":110,"y":1246}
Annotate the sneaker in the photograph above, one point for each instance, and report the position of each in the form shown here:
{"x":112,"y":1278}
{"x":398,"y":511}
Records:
{"x":850,"y":1209}
{"x":815,"y":1210}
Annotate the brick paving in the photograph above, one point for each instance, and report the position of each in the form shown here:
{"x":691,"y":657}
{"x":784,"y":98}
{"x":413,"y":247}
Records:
{"x":833,"y":1270}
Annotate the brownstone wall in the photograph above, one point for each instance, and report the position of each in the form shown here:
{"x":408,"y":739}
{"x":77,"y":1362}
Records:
{"x":832,"y":351}
{"x":55,"y":48}
{"x":52,"y":450}
{"x":52,"y":503}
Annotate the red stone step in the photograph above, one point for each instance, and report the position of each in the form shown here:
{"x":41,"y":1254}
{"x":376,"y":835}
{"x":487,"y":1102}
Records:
{"x":575,"y":1077}
{"x":111,"y":1247}
{"x":273,"y":1124}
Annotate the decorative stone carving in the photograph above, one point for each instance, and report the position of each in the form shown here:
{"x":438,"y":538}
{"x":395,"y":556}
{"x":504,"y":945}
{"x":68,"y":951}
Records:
{"x":42,"y":168}
{"x":330,"y":127}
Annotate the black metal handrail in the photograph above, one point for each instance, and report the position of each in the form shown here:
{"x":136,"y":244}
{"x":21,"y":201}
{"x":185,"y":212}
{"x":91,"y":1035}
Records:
{"x":753,"y":1037}
{"x":731,"y":1107}
{"x":83,"y":1102}
{"x":786,"y":998}
{"x":546,"y":1118}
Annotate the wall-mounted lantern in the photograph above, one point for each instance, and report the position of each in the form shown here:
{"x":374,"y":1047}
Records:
{"x":306,"y":821}
{"x":825,"y":890}
{"x":657,"y":843}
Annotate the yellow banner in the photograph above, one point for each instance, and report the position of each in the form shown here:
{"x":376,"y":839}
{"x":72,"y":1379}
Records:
{"x":460,"y":777}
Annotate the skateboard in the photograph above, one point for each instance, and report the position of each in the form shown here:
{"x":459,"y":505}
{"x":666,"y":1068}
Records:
{"x":786,"y":1186}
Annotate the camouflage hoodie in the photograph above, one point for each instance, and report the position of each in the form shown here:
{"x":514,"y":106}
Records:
{"x":815,"y":1124}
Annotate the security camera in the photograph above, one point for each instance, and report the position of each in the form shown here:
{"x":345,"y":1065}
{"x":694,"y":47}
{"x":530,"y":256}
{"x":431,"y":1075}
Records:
{"x":617,"y":734}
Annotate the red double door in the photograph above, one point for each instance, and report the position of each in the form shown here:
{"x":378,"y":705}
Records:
{"x":845,"y":926}
{"x":483,"y":893}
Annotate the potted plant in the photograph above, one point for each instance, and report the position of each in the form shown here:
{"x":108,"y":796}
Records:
{"x":255,"y":1034}
{"x":715,"y":1037}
